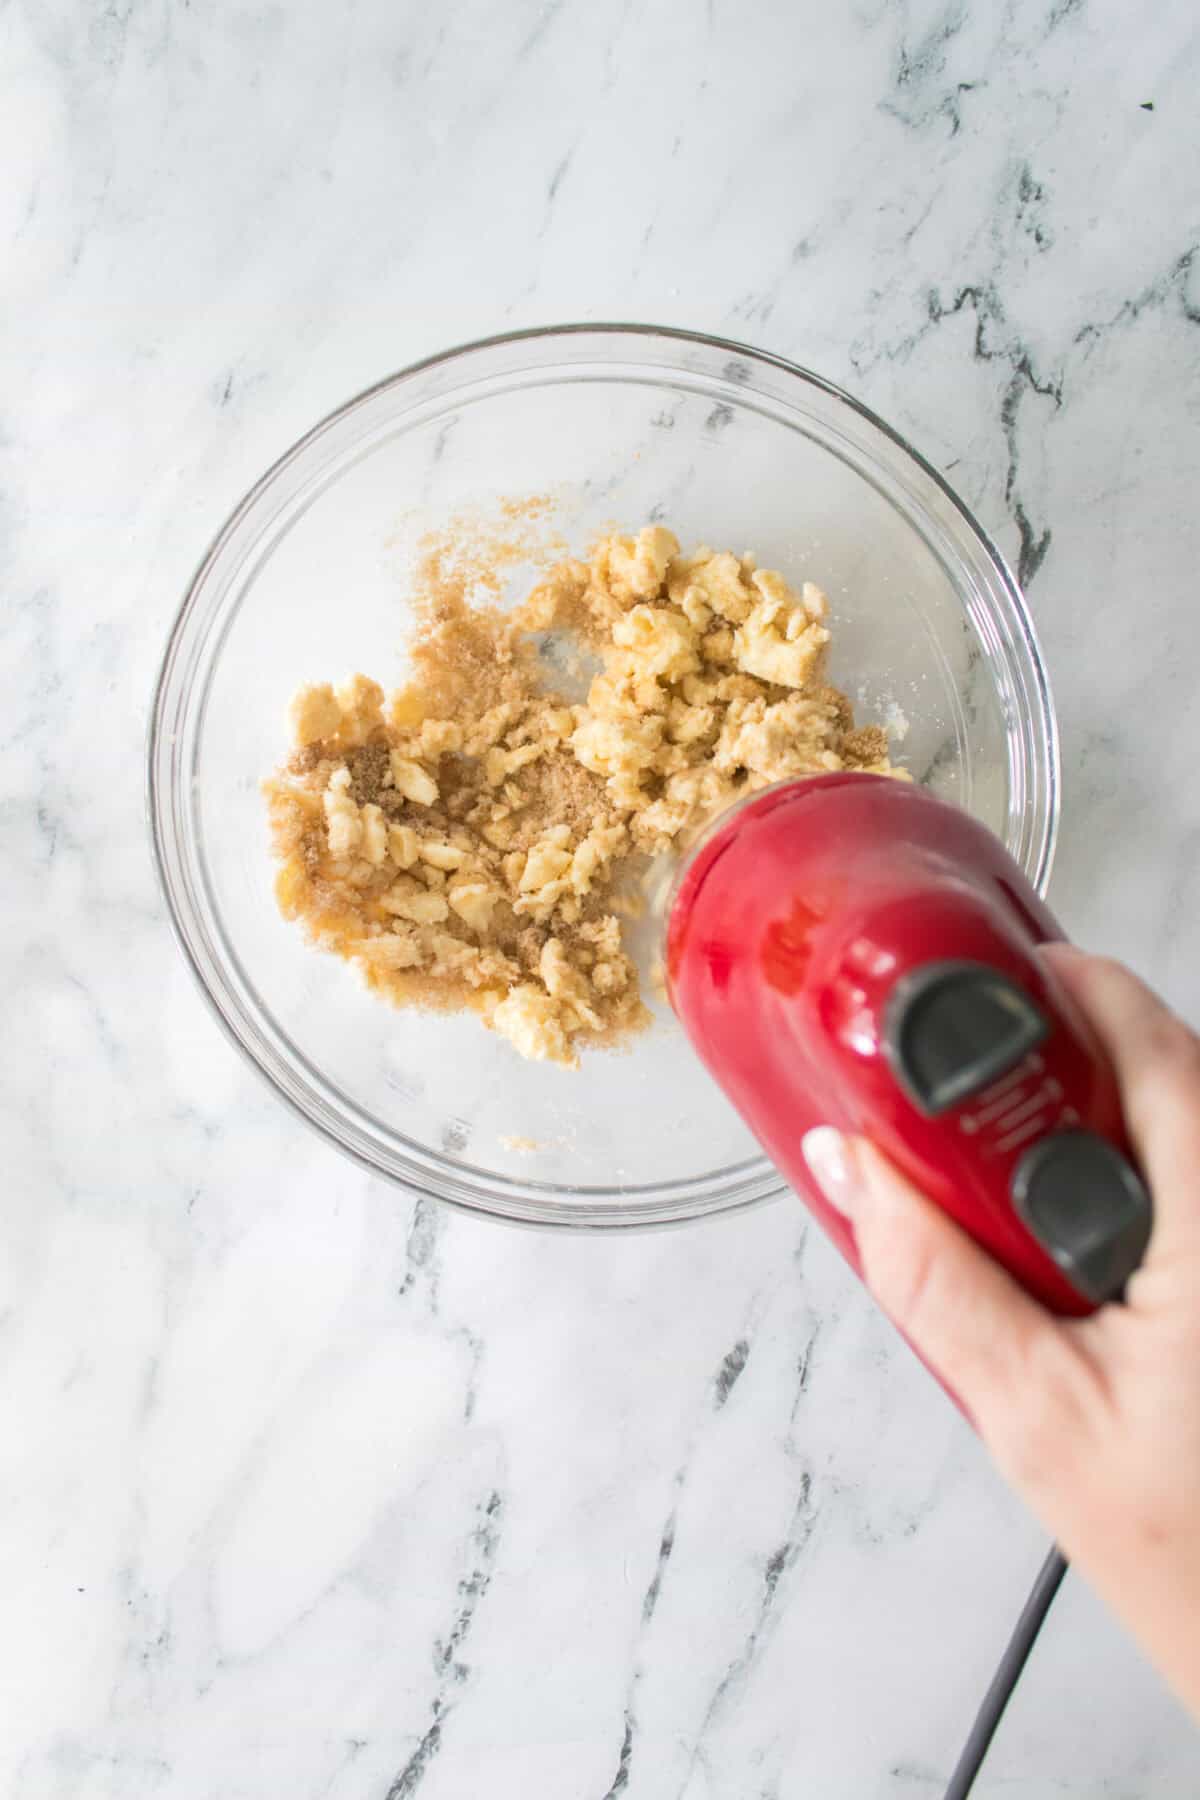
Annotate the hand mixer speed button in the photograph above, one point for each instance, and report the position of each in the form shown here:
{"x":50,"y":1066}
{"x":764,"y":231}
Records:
{"x":952,"y":1028}
{"x":1088,"y":1207}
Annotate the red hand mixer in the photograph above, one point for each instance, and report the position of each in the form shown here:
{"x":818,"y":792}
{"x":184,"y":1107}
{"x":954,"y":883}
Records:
{"x":848,"y":950}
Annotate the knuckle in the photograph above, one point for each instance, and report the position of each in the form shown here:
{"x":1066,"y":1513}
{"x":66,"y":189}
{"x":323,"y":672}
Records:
{"x":1121,"y":1002}
{"x":1110,"y":984}
{"x":1107,"y":969}
{"x":1172,"y":1045}
{"x":1165,"y":1096}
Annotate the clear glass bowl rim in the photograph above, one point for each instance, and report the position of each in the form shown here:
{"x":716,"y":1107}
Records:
{"x":419,"y":1171}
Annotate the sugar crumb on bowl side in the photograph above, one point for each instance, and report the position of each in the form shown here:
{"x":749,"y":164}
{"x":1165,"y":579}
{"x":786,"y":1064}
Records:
{"x":467,"y":843}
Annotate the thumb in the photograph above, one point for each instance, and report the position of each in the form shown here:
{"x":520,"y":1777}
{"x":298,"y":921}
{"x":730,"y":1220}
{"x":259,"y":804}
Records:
{"x":1001,"y":1354}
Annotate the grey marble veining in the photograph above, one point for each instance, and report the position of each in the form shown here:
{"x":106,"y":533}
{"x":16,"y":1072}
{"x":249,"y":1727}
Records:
{"x":311,"y":1490}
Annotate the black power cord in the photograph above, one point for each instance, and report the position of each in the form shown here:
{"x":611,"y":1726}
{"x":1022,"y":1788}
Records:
{"x":1007,"y":1675}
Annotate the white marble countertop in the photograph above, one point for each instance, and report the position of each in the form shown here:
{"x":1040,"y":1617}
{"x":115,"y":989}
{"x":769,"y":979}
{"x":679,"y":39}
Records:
{"x":311,"y":1491}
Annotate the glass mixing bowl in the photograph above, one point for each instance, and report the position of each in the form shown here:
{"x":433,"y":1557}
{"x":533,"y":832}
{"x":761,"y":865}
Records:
{"x":621,"y":424}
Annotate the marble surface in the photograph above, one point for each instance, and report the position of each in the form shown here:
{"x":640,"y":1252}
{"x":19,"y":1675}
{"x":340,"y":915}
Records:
{"x":310,"y":1490}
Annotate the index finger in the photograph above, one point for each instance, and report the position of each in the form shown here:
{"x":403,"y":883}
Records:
{"x":1157,"y":1063}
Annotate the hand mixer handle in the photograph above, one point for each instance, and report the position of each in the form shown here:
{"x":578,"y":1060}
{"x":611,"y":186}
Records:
{"x":953,"y":1029}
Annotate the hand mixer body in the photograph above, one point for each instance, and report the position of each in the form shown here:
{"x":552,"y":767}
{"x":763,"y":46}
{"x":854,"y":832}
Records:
{"x":849,"y":950}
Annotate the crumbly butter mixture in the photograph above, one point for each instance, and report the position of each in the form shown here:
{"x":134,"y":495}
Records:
{"x":472,"y":842}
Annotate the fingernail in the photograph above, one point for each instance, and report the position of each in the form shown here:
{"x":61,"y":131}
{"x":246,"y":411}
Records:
{"x":831,"y":1164}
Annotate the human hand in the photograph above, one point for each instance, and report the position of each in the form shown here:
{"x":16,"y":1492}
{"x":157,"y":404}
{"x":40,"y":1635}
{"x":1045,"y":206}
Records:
{"x":1095,"y":1422}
